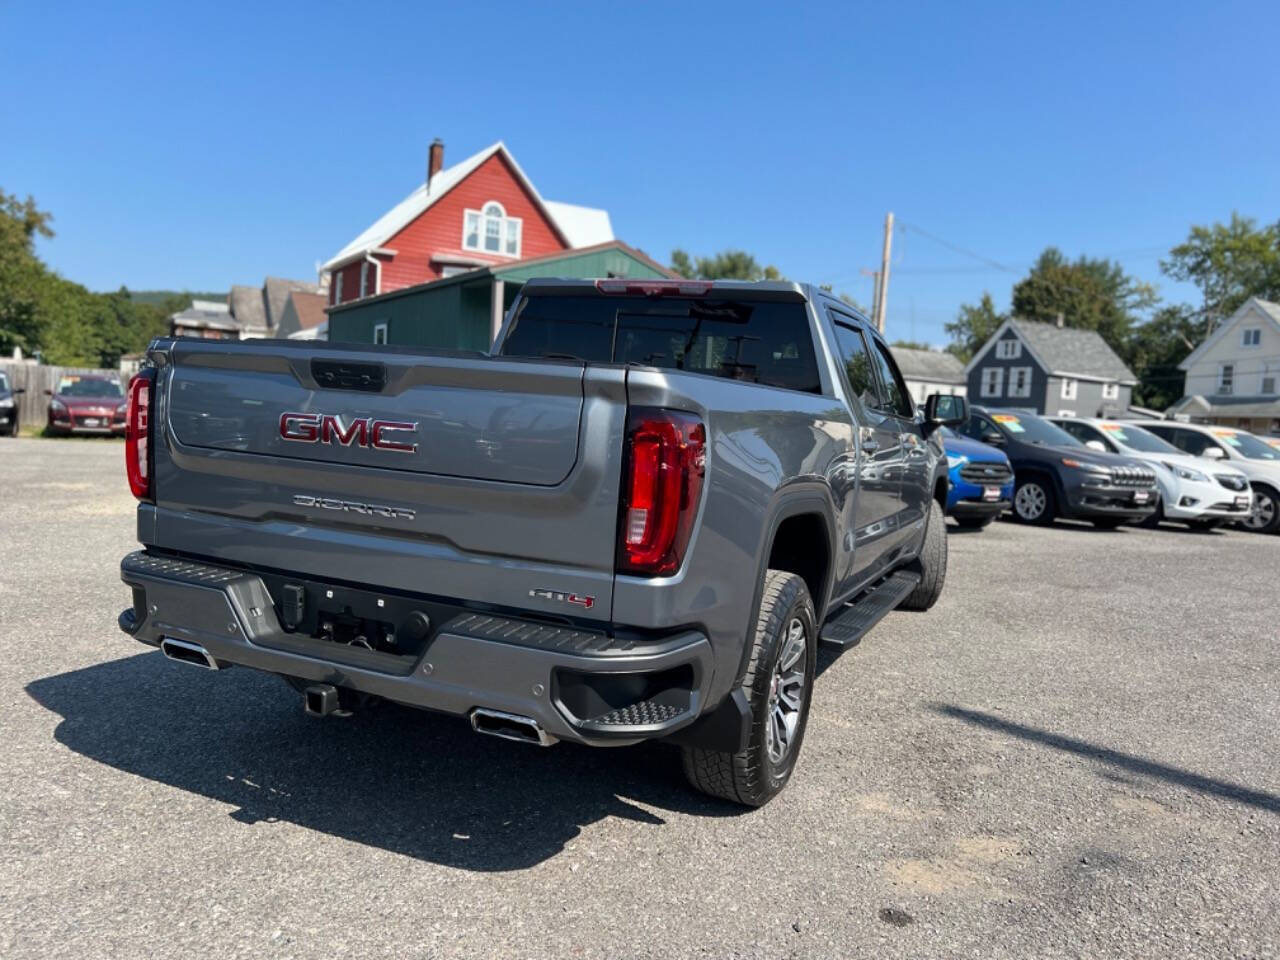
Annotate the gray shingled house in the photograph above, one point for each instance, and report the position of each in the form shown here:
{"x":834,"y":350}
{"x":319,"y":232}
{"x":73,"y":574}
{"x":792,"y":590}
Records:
{"x":929,"y":371}
{"x":248,"y":311}
{"x":1049,"y":369}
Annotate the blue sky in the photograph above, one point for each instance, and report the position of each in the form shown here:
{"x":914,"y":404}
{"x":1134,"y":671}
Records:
{"x":199,"y":145}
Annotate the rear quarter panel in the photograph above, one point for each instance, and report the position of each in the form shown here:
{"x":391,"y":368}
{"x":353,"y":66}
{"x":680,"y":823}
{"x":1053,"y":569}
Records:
{"x":766,"y":448}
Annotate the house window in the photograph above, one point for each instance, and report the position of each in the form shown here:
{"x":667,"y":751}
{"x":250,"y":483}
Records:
{"x":491,"y":231}
{"x":364,"y":278}
{"x":1226,"y":378}
{"x":1069,"y":388}
{"x":1251,"y":337}
{"x":993,"y":381}
{"x":1269,"y":384}
{"x":337,"y":289}
{"x":1020,"y":382}
{"x":1008,"y":350}
{"x":380,"y":333}
{"x":1111,"y":391}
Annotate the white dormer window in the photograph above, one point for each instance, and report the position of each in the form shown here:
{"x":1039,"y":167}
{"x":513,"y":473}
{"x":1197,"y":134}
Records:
{"x":1069,"y":388}
{"x":1251,"y":337}
{"x":1008,"y":349}
{"x":1111,"y":391}
{"x":490,"y":230}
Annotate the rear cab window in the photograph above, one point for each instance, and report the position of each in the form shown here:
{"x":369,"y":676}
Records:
{"x":767,"y":342}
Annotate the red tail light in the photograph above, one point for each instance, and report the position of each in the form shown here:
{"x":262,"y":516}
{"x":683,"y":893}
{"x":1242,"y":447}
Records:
{"x":137,"y":437}
{"x":665,"y":457}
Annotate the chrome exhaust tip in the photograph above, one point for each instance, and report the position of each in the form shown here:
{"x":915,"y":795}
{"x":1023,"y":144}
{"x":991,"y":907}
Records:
{"x":184,"y":651}
{"x":510,"y":726}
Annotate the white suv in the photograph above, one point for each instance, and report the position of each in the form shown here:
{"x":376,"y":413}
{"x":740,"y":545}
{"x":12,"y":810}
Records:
{"x":1227,"y":446}
{"x":1200,"y":494}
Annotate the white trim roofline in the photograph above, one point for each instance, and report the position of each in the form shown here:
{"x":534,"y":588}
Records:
{"x":991,"y":342}
{"x":1263,"y":307}
{"x":1048,"y":370}
{"x":424,"y":196}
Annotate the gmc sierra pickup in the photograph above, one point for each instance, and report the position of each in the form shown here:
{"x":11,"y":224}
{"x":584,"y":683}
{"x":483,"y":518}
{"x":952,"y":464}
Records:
{"x":636,"y":518}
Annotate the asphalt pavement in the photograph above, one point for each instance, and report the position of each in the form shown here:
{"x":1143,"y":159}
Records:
{"x":1074,"y":754}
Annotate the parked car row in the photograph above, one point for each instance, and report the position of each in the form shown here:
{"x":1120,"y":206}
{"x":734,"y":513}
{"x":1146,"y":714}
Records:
{"x":81,"y":404}
{"x":1110,"y":472}
{"x":9,"y":408}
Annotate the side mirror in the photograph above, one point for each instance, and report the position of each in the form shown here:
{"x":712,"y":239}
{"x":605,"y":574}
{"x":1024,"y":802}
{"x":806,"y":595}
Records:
{"x":944,"y":409}
{"x":1096,"y":445}
{"x":994,"y":438}
{"x":1214,"y":453}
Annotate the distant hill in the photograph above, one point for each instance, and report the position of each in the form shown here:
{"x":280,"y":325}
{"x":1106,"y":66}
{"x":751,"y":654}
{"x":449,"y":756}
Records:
{"x":161,"y":297}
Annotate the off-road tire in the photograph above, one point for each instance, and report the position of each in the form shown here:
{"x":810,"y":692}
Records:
{"x":931,"y":564}
{"x":750,"y":777}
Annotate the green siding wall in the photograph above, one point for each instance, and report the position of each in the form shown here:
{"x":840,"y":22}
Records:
{"x":455,"y":316}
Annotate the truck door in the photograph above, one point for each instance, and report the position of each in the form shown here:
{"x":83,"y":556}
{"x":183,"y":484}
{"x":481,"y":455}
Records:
{"x":915,"y":479}
{"x":871,"y":512}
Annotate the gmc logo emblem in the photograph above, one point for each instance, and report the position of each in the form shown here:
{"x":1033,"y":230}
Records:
{"x":361,"y":432}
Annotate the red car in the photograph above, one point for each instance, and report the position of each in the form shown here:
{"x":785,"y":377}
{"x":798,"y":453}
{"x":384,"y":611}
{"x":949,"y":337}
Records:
{"x":87,"y":404}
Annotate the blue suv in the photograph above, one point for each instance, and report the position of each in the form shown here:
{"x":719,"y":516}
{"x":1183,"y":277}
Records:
{"x":981,"y":480}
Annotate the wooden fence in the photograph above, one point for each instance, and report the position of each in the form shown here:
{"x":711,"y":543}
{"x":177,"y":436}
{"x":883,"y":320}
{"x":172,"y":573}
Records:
{"x":36,"y":378}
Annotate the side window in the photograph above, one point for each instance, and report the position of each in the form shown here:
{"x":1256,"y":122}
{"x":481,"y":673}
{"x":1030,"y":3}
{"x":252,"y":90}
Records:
{"x":1084,"y":433}
{"x":977,"y":426}
{"x":857,"y":365}
{"x":380,"y":333}
{"x":1193,"y":442}
{"x":896,"y":398}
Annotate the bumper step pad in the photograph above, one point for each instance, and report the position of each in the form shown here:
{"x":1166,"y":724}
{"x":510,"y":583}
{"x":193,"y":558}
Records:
{"x":850,"y":625}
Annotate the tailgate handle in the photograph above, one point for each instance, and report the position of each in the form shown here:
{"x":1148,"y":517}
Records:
{"x":348,"y":375}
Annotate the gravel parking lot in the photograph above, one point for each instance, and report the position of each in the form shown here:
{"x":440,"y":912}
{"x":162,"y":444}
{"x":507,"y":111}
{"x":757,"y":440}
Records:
{"x":1074,"y":754}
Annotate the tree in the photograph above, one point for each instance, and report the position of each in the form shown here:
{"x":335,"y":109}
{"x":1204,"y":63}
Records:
{"x":1157,"y":347}
{"x":23,"y":277}
{"x":72,"y":326}
{"x":1229,"y":263}
{"x":1088,"y":294}
{"x":726,"y":265}
{"x":972,"y":327}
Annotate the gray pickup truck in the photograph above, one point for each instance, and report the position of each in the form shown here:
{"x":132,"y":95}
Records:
{"x":635,"y":519}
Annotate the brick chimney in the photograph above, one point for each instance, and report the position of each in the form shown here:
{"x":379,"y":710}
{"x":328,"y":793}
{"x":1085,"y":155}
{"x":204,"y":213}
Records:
{"x":435,"y":159}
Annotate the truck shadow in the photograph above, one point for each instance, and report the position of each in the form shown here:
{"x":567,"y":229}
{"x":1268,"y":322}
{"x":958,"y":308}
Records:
{"x":1118,"y":762}
{"x":406,"y":781}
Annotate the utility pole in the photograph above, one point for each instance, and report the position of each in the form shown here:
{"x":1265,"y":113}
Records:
{"x":883,"y":286}
{"x":875,"y":290}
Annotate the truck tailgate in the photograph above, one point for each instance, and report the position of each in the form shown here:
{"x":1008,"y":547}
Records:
{"x":465,"y":477}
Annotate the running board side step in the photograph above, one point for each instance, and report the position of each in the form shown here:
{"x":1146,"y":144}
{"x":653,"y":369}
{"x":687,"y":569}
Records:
{"x":852,"y":623}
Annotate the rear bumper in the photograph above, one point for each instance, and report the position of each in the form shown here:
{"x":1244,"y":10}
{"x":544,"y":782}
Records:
{"x":578,"y":685}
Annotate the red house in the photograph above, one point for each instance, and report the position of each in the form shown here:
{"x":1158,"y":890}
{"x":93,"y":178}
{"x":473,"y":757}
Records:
{"x":481,"y":212}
